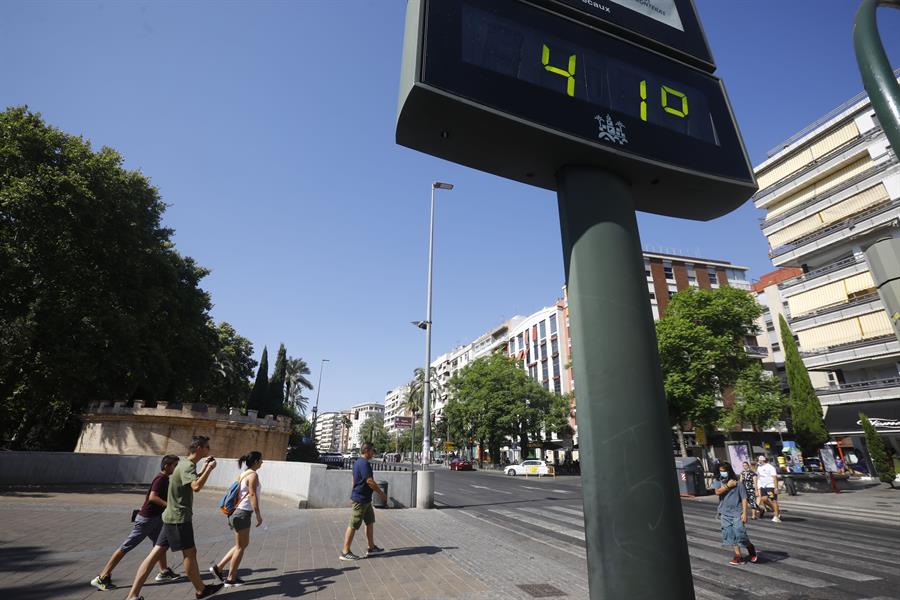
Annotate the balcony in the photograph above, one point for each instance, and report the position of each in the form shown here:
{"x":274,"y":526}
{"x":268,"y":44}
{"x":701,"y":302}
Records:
{"x":885,"y":346}
{"x":860,"y":391}
{"x":756,"y":351}
{"x":845,"y":263}
{"x":837,"y":312}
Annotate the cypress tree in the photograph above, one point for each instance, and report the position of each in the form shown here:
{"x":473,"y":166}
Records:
{"x":884,"y":466}
{"x":806,"y":411}
{"x":275,"y":404}
{"x":260,"y":391}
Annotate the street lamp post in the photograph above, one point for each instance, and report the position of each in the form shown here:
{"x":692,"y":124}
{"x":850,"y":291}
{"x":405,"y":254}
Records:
{"x":426,"y":387}
{"x":315,"y":410}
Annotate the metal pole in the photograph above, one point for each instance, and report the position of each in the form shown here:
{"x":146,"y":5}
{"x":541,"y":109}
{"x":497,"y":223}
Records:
{"x":315,"y":410}
{"x":426,"y":387}
{"x":875,"y":68}
{"x":632,"y":511}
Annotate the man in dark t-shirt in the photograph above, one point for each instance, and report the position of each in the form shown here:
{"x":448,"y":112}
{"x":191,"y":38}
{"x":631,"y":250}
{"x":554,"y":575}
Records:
{"x":361,"y":496}
{"x":147,"y":524}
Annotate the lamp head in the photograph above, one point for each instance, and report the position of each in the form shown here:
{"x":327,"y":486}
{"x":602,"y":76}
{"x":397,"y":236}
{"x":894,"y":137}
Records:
{"x":438,"y":185}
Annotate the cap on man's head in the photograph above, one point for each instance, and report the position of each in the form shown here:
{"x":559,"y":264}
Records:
{"x":762,"y":458}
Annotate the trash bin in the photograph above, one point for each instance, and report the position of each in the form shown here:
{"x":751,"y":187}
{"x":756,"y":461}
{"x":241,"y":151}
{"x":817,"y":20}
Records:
{"x":376,"y":499}
{"x":689,"y":471}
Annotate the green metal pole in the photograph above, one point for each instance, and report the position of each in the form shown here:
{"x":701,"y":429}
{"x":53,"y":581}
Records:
{"x":877,"y":75}
{"x":634,"y":528}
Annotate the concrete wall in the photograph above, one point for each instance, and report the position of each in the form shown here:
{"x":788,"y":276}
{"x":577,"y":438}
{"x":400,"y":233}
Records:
{"x":309,"y":485}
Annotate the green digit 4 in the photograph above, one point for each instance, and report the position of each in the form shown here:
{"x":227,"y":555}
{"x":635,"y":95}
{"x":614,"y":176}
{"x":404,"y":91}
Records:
{"x":569,"y":73}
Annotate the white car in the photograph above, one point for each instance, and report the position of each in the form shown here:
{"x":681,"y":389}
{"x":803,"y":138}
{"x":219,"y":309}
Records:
{"x":528,"y":467}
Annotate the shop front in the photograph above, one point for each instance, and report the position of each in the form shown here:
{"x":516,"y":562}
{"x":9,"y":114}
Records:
{"x":844,"y":424}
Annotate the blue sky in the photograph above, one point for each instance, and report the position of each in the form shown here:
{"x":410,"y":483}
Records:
{"x":268,"y":129}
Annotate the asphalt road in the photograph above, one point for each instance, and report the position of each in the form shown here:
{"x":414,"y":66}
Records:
{"x":807,"y":556}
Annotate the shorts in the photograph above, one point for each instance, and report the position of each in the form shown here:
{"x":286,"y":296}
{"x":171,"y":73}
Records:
{"x":240,"y":519}
{"x":144,"y":527}
{"x":362,"y":513}
{"x":177,"y":537}
{"x":769,"y":493}
{"x":733,"y":531}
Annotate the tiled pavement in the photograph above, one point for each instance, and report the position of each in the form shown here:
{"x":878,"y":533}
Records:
{"x":54,"y":541}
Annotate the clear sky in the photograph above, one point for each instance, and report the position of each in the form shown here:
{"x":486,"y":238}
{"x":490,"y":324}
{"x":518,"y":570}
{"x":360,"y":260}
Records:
{"x":269,"y":130}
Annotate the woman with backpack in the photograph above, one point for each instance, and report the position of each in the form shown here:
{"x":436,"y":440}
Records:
{"x":246,"y":504}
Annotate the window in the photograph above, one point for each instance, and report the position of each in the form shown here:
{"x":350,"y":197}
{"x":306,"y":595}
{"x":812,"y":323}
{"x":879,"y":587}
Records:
{"x":713,"y":278}
{"x":692,"y":274}
{"x":667,"y":269}
{"x":653,"y":296}
{"x":776,"y":347}
{"x":647,"y":269}
{"x":547,"y":385}
{"x":556,"y":371}
{"x":544,"y":350}
{"x":512,"y":345}
{"x":556,"y":385}
{"x":554,"y":347}
{"x":671,"y":293}
{"x":544,"y":374}
{"x":521,"y":342}
{"x":543,"y":327}
{"x":552,"y":324}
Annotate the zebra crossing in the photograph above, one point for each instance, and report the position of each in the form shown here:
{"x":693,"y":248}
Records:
{"x":812,"y":554}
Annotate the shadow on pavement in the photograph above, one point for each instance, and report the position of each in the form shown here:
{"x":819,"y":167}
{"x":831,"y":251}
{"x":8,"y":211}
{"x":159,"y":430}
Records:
{"x":42,"y":592}
{"x":48,"y":491}
{"x":767,"y":556}
{"x":290,"y":585}
{"x":26,"y":558}
{"x":413,"y":550}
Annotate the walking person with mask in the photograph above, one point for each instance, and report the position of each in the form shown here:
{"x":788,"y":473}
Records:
{"x":732,"y":512}
{"x":239,"y":520}
{"x":767,"y":486}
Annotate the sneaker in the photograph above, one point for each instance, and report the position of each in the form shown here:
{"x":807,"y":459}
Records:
{"x":754,"y":558}
{"x":374,"y":550}
{"x":349,"y":556}
{"x":103,"y":583}
{"x":214,"y":569}
{"x":776,"y":519}
{"x":737,"y":560}
{"x":237,"y":582}
{"x":209,"y":590}
{"x":167,"y":575}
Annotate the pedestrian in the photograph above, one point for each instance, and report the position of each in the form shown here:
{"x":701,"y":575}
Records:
{"x":767,"y":486}
{"x":178,"y":530}
{"x":361,"y":497}
{"x":732,"y":512}
{"x":147,"y":524}
{"x":239,"y":520}
{"x":748,"y":479}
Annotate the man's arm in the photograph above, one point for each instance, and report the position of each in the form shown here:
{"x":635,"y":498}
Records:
{"x":723,"y":489}
{"x":155,"y":499}
{"x":198,"y":483}
{"x":374,"y":485}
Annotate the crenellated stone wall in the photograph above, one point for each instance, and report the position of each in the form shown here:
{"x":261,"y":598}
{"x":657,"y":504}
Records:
{"x":119,"y":429}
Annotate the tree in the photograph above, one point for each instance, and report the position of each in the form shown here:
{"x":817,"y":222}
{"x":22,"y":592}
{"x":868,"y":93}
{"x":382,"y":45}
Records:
{"x":229,"y":381}
{"x":260,"y":391}
{"x":372,"y":431}
{"x":701,"y":350}
{"x":275,"y":395}
{"x":297,"y":371}
{"x":806,"y":411}
{"x":884,"y":466}
{"x":417,"y":389}
{"x":95,"y":301}
{"x":757,"y":400}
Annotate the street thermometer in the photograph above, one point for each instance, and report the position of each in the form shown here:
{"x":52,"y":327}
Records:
{"x":613,"y":105}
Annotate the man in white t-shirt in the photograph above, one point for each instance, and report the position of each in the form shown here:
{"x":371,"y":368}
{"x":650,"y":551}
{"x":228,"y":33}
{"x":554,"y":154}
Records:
{"x":767,"y":486}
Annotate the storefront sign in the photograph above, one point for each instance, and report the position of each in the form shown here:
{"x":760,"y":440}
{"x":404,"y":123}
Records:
{"x":843,"y":419}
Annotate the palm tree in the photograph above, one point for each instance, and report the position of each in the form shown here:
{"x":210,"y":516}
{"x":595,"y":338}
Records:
{"x":417,"y":389}
{"x":295,"y":380}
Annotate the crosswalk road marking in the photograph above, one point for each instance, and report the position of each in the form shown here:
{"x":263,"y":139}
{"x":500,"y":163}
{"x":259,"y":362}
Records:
{"x":574,"y":533}
{"x":571,"y":511}
{"x":484,"y":487}
{"x":770,"y":569}
{"x":548,"y":515}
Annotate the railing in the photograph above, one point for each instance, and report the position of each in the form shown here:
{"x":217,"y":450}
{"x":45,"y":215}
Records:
{"x":818,"y":123}
{"x":756,"y":350}
{"x":347,"y":463}
{"x":844,"y":185}
{"x":872,"y":384}
{"x":834,"y":308}
{"x":848,"y":345}
{"x":835,"y":266}
{"x":843,"y":224}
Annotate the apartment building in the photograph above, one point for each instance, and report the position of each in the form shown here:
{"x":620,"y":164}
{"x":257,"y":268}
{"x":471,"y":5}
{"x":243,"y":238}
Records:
{"x":359,"y":414}
{"x":829,"y":192}
{"x":328,"y":432}
{"x":670,"y":273}
{"x":395,"y":406}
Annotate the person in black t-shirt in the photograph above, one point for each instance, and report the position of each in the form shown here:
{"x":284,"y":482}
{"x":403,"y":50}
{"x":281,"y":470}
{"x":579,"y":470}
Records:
{"x":147,"y":524}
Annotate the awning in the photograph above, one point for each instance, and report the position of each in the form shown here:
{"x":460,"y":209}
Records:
{"x":843,"y":419}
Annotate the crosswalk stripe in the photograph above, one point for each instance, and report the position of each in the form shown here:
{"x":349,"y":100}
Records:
{"x":561,"y":491}
{"x":798,"y":562}
{"x":573,"y":533}
{"x":571,"y":511}
{"x":762,"y":569}
{"x":548,"y":515}
{"x":568,"y":547}
{"x":742,"y":579}
{"x":484,"y":487}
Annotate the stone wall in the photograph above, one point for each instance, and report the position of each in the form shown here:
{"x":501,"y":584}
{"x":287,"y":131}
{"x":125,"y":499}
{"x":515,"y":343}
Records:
{"x":139,"y":430}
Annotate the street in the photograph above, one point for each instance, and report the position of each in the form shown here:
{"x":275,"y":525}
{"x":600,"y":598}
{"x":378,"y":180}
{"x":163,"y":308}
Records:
{"x":805,"y":556}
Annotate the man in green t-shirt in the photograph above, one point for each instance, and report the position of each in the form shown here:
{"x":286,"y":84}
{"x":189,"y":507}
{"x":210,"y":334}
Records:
{"x":178,"y":530}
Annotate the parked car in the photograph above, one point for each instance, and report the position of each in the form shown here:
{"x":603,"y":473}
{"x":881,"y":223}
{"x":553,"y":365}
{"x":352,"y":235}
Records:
{"x":528,"y":467}
{"x":333,"y":460}
{"x":458,"y":464}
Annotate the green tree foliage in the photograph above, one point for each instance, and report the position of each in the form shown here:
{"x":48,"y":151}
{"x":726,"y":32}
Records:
{"x":758,"y":400}
{"x":95,"y":302}
{"x":884,"y":466}
{"x":406,"y":438}
{"x":295,"y":382}
{"x":493,"y":399}
{"x":275,"y":396}
{"x":229,"y":382}
{"x":701,"y":349}
{"x":417,"y":389}
{"x":806,"y":411}
{"x":260,"y":392}
{"x":372,"y":431}
{"x":300,"y":450}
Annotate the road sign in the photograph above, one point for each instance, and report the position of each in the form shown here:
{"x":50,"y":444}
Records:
{"x":449,"y":446}
{"x":402,"y":422}
{"x":515,"y":90}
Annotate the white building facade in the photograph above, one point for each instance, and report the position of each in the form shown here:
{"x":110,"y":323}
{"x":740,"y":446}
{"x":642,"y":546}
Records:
{"x":395,"y":406}
{"x":328,"y":432}
{"x":359,"y":414}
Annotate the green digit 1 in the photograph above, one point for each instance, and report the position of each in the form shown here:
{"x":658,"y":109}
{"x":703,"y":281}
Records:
{"x":644,"y":100}
{"x":568,"y":74}
{"x":666,"y":90}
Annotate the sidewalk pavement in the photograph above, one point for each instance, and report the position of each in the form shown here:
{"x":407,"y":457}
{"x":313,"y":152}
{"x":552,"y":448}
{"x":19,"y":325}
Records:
{"x":54,"y":541}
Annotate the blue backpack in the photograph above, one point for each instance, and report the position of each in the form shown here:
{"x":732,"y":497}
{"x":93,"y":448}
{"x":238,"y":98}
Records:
{"x":230,"y":500}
